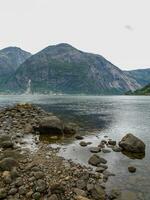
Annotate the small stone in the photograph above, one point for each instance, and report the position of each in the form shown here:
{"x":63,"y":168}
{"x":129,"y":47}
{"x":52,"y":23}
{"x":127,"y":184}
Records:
{"x":53,"y":197}
{"x":106,"y":151}
{"x":29,"y":194}
{"x":79,"y":137}
{"x":35,"y":169}
{"x":95,"y":149}
{"x":12,"y":191}
{"x":81,"y":198}
{"x":3,"y":193}
{"x":116,"y":149}
{"x":98,"y":192}
{"x":40,"y":186}
{"x":22,"y":190}
{"x":114,"y":194}
{"x":132,"y":169}
{"x":112,"y":142}
{"x":7,"y":177}
{"x":89,"y":187}
{"x":7,"y":164}
{"x":80,"y":192}
{"x":100,"y":169}
{"x":83,"y":144}
{"x":14,"y":173}
{"x":103,"y":166}
{"x":81,"y":184}
{"x":19,"y":182}
{"x":38,"y":175}
{"x":94,"y":160}
{"x":36,"y":195}
{"x":7,"y":144}
{"x":57,"y":189}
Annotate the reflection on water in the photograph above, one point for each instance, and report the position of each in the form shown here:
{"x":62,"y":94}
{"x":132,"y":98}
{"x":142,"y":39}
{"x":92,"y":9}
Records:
{"x":113,"y":116}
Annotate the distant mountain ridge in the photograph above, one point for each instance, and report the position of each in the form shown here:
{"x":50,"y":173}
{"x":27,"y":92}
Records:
{"x":10,"y":60}
{"x":142,"y":76}
{"x":64,"y":69}
{"x":143,"y":91}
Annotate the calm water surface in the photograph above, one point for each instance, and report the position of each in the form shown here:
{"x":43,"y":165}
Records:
{"x":98,"y":116}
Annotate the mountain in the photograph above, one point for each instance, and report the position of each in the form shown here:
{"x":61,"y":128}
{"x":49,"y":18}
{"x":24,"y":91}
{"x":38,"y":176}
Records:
{"x":142,"y":76}
{"x":143,"y":91}
{"x":64,"y":69}
{"x":10,"y":60}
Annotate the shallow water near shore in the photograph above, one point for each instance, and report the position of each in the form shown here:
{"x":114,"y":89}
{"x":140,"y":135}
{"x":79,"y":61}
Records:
{"x":99,"y":116}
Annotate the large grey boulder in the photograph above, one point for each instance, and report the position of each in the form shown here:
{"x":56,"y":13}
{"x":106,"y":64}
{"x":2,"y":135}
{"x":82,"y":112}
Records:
{"x":51,"y":125}
{"x":133,"y":144}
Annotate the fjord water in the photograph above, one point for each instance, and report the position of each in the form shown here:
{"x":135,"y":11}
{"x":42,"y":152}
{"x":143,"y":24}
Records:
{"x":99,"y":116}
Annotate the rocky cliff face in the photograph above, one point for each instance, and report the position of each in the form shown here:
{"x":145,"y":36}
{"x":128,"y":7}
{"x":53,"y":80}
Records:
{"x":62,"y":68}
{"x":10,"y":60}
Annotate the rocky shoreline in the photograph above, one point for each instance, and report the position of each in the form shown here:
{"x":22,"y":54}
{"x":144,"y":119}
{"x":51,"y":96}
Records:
{"x":42,"y":174}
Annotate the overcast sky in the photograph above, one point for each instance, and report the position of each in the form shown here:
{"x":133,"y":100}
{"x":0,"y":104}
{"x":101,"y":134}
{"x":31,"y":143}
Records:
{"x":117,"y":29}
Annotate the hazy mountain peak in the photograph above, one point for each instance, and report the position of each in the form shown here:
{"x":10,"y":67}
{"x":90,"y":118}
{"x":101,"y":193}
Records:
{"x":10,"y":60}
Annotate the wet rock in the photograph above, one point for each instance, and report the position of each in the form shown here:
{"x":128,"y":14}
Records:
{"x":83,"y":144}
{"x":117,"y":149}
{"x":50,"y":125}
{"x":7,"y":164}
{"x":98,"y":193}
{"x":132,"y":169}
{"x":103,"y":166}
{"x":131,"y":143}
{"x":3,"y":193}
{"x":69,"y":129}
{"x":95,"y":160}
{"x":106,"y":151}
{"x":114,"y":194}
{"x":112,"y":142}
{"x":79,"y":137}
{"x":95,"y":149}
{"x":107,"y":173}
{"x":104,"y":142}
{"x":100,"y":169}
